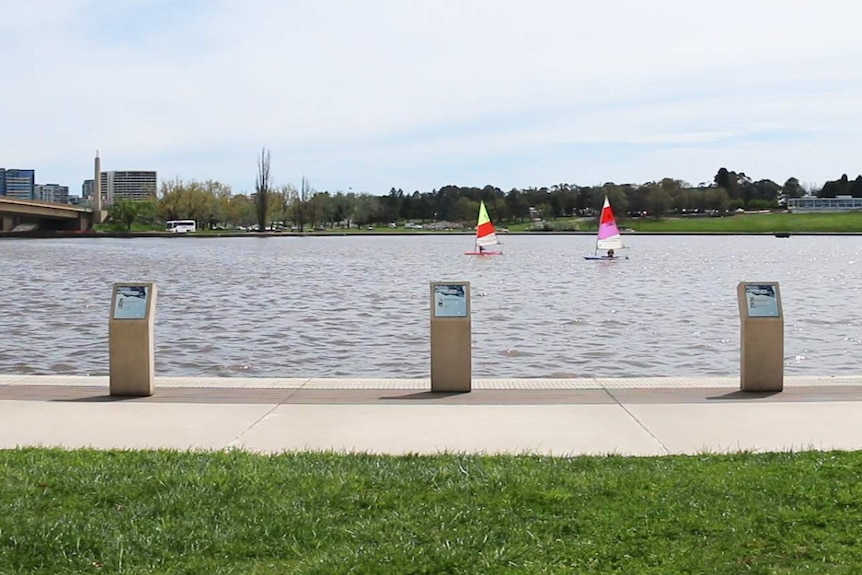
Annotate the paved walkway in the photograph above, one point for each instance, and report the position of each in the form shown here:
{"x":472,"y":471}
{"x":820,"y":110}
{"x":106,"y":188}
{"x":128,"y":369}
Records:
{"x":637,"y":416}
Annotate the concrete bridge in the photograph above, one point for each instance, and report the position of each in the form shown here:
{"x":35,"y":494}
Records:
{"x":45,"y":216}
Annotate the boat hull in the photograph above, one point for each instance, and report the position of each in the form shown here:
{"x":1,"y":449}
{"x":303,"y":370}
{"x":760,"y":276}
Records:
{"x":485,"y":253}
{"x":606,"y":258}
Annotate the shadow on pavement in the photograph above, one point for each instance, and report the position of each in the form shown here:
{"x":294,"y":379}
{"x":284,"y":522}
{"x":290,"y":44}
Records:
{"x":737,"y":395}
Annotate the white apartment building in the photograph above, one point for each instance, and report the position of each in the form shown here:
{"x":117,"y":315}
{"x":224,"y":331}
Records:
{"x":124,"y":185}
{"x":51,"y":193}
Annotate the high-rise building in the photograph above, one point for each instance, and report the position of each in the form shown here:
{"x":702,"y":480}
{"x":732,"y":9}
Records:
{"x":131,"y":185}
{"x":51,"y":193}
{"x":18,"y":183}
{"x":87,"y":190}
{"x":2,"y":181}
{"x":123,"y":185}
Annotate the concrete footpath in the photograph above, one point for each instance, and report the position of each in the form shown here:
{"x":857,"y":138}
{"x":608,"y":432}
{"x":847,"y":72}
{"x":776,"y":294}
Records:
{"x":637,"y":416}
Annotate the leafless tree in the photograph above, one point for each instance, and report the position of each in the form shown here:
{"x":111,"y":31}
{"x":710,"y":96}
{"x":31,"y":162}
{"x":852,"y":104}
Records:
{"x":262,"y":187}
{"x":300,"y":206}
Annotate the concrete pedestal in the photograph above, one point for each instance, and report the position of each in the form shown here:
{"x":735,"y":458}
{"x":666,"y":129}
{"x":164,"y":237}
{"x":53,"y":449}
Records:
{"x":451,"y":337}
{"x":130,"y":339}
{"x":761,"y":337}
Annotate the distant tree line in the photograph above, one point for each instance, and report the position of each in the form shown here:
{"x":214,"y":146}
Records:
{"x":213,"y":204}
{"x":842,"y":187}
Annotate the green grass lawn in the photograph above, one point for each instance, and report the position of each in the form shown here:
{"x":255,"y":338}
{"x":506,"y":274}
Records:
{"x":777,"y":222}
{"x":136,"y":228}
{"x":738,"y":223}
{"x":743,"y":223}
{"x":170,"y":512}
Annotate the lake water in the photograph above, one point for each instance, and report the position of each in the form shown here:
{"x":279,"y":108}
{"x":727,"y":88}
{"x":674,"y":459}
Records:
{"x":359,"y":306}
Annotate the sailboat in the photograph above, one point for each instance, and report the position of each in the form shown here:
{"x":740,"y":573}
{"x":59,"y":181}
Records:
{"x":486,"y":235}
{"x":608,"y":237}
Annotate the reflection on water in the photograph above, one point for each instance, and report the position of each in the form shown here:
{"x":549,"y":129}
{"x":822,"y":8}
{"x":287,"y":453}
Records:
{"x":359,"y":306}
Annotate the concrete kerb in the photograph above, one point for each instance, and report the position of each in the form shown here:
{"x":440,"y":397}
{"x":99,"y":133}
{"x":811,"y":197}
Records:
{"x":631,"y":416}
{"x":312,"y":383}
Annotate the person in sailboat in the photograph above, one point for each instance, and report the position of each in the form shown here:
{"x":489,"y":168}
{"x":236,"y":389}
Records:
{"x":611,"y":253}
{"x":481,"y":249}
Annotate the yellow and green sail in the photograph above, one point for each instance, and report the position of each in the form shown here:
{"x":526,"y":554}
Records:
{"x":486,"y":235}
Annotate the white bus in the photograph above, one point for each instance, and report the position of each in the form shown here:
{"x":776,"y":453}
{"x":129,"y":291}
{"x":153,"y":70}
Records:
{"x":180,"y":226}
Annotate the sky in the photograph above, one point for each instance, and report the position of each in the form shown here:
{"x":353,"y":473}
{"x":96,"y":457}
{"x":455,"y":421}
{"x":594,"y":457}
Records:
{"x":370,"y":95}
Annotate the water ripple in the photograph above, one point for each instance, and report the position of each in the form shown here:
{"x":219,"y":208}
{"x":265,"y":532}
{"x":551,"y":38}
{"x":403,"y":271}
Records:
{"x":358,"y":306}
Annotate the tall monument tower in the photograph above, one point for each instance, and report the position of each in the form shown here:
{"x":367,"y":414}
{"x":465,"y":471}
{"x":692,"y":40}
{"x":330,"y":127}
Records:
{"x":97,"y":184}
{"x":98,"y":213}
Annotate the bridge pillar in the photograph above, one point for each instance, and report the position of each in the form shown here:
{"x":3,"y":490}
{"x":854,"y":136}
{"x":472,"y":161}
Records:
{"x":86,"y":221}
{"x":7,"y":222}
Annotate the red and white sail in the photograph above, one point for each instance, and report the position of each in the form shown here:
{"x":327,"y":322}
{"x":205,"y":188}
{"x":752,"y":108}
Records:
{"x":609,"y":237}
{"x":486,"y":235}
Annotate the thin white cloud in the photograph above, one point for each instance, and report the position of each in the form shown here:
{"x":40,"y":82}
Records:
{"x":196,"y":89}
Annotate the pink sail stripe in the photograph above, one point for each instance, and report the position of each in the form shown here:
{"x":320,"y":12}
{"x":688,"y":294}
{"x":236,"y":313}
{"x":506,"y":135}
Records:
{"x":607,"y":227}
{"x":608,"y":230}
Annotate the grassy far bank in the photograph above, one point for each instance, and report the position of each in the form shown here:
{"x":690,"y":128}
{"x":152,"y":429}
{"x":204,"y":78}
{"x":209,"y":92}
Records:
{"x":846,"y":222}
{"x":754,"y":223}
{"x":158,"y":512}
{"x":137,"y":228}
